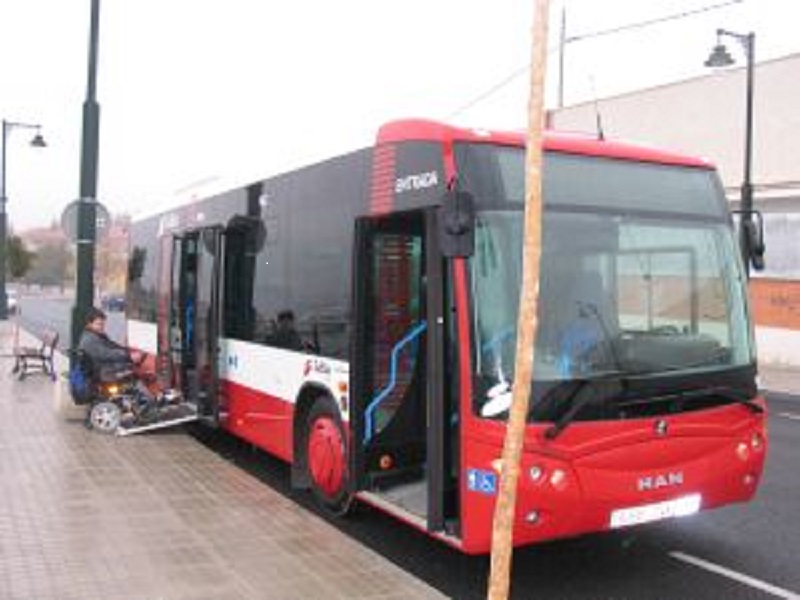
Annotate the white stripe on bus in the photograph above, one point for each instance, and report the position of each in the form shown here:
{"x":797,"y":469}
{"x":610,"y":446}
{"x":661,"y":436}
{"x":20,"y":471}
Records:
{"x":271,"y":371}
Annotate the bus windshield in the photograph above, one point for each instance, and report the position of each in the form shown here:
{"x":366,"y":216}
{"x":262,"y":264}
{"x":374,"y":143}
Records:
{"x":640,"y":276}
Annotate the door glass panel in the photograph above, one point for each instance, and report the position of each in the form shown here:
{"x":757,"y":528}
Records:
{"x":205,"y":330}
{"x":396,"y":305}
{"x":181,"y":321}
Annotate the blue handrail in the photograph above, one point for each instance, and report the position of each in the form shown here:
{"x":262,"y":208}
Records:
{"x":498,"y":339}
{"x":384,"y":393}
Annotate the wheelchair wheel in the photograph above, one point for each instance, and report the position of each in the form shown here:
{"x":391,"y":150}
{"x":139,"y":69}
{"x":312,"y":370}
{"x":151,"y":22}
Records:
{"x":105,"y":417}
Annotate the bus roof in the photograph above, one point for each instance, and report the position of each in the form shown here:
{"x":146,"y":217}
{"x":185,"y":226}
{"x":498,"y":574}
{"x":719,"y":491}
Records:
{"x":572,"y":143}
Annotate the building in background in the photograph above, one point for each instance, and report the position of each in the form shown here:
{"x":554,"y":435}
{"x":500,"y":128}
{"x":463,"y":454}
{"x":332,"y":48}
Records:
{"x":111,"y":260}
{"x":705,"y":116}
{"x":53,"y":263}
{"x":54,"y":260}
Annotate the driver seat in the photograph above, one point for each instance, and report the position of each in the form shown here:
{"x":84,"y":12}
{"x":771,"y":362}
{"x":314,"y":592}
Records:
{"x":589,"y":325}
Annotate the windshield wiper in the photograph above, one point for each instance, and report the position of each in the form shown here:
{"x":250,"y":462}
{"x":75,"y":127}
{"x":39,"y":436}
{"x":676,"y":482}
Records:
{"x":617,"y":384}
{"x":731,"y":394}
{"x":590,"y":388}
{"x":680,"y":396}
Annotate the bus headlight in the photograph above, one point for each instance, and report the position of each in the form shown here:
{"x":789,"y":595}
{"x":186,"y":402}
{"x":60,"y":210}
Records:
{"x":532,"y":517}
{"x":742,"y":450}
{"x":558,"y":479}
{"x":536,"y":472}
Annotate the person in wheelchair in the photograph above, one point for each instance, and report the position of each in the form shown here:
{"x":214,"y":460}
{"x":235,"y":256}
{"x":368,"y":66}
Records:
{"x":109,"y":360}
{"x":105,"y":361}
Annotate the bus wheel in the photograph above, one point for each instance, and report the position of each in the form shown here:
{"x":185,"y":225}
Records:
{"x":326,"y":457}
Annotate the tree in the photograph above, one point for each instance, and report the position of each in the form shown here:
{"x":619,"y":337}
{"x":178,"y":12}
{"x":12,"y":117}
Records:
{"x":51,"y":265}
{"x":20,"y":259}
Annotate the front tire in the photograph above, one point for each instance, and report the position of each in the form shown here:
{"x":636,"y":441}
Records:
{"x":326,"y":457}
{"x":105,"y":417}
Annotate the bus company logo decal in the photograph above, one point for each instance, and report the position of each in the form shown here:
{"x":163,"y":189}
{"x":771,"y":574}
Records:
{"x":662,"y":480}
{"x":420,"y":181}
{"x":320,"y":367}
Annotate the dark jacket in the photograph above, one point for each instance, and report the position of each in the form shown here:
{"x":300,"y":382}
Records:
{"x":107,"y":357}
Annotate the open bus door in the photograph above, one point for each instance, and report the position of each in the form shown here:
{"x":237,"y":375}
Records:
{"x":195,"y":318}
{"x":402,"y":450}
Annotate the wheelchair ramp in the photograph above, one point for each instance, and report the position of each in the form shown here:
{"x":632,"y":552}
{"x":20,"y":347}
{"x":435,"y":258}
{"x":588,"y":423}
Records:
{"x":169,"y":416}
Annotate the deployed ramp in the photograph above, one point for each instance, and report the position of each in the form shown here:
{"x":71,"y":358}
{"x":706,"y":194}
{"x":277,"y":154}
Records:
{"x":167,"y":416}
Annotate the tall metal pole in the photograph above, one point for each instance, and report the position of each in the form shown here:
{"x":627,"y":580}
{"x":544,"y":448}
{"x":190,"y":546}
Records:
{"x":3,"y":232}
{"x":84,"y":292}
{"x":39,"y":142}
{"x":562,"y":48}
{"x":749,"y":42}
{"x":720,"y":58}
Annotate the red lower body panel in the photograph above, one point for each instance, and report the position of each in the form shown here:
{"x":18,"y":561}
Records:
{"x":262,"y":420}
{"x":573,"y":485}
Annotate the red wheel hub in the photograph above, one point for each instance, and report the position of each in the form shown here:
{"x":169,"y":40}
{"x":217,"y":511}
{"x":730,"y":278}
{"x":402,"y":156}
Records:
{"x":326,"y":459}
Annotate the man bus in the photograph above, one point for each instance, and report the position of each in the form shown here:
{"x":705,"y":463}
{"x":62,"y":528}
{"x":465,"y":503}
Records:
{"x":401,"y":266}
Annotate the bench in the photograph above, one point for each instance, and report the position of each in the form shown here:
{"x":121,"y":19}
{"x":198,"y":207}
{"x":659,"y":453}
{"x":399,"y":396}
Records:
{"x":28,"y":359}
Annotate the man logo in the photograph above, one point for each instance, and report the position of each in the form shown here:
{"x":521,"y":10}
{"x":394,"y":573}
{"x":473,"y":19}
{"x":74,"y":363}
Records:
{"x":656,"y":482}
{"x":661,"y":427}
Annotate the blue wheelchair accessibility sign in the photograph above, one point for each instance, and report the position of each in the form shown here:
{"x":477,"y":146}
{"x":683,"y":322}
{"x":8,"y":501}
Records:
{"x":484,"y":482}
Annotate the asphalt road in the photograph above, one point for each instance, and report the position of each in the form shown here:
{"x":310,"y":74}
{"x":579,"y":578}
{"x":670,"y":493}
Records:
{"x":738,"y":552}
{"x":38,"y":313}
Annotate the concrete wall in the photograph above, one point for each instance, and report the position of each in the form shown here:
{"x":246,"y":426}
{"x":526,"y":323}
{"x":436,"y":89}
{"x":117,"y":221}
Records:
{"x":706,"y":117}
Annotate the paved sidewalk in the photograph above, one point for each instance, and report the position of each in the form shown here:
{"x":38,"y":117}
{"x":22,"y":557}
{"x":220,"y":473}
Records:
{"x":85,"y":516}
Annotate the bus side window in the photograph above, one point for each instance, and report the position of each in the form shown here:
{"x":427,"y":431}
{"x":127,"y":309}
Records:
{"x":284,"y":333}
{"x":240,"y":320}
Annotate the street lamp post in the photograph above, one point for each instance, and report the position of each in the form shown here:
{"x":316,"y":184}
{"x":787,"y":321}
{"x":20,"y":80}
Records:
{"x":87,"y":208}
{"x":36,"y":142}
{"x":721,"y":58}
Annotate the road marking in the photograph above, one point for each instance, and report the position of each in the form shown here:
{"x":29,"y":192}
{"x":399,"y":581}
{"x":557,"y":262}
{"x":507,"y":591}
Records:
{"x":741,"y":578}
{"x":791,"y":416}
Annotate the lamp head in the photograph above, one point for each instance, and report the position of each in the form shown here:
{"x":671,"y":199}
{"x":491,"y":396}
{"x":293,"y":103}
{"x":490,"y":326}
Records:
{"x":720,"y":57}
{"x":38,"y":141}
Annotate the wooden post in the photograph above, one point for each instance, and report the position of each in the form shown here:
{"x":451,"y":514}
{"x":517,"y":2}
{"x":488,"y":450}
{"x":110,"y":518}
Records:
{"x":503,"y":526}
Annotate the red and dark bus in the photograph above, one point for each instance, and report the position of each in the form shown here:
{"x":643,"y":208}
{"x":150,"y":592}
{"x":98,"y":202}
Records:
{"x":356,"y":318}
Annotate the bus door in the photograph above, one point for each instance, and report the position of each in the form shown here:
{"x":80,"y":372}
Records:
{"x":195,"y":317}
{"x":397,"y":403}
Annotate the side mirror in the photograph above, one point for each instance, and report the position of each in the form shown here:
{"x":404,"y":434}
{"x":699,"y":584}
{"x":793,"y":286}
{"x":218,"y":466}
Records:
{"x":753,"y":233}
{"x":254,"y":230}
{"x":755,"y":241}
{"x":457,"y":224}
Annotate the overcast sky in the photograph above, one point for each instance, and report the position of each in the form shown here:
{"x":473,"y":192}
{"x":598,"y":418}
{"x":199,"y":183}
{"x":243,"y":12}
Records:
{"x":197,"y":94}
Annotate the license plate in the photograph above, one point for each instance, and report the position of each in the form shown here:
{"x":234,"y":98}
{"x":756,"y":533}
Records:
{"x":646,"y":513}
